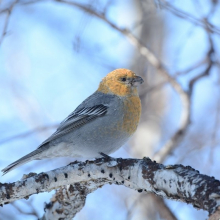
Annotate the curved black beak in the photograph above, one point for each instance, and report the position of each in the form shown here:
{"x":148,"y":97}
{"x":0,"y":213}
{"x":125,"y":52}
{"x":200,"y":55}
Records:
{"x":137,"y":80}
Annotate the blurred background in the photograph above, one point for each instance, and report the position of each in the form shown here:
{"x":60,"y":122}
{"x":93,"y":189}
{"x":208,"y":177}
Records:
{"x":53,"y":54}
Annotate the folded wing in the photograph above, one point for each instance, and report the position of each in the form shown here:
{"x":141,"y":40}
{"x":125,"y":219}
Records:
{"x":77,"y":119}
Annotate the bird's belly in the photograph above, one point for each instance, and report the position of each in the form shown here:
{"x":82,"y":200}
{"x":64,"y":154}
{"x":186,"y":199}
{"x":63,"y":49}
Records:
{"x":90,"y":144}
{"x":89,"y":141}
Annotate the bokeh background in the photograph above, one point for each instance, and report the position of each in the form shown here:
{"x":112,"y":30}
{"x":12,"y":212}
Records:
{"x":53,"y":55}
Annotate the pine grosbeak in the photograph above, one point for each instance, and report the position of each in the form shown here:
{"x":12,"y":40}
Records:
{"x":101,"y":124}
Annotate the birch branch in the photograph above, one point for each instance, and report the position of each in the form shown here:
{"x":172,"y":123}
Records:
{"x":175,"y":182}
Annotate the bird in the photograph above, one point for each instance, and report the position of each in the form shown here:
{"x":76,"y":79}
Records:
{"x":99,"y":126}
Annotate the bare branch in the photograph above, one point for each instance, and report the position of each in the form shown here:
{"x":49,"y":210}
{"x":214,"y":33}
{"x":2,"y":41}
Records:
{"x":208,"y":68}
{"x":8,"y":11}
{"x":193,"y":67}
{"x":19,"y":209}
{"x":25,"y":134}
{"x":173,"y":182}
{"x":207,"y":26}
{"x":172,"y":143}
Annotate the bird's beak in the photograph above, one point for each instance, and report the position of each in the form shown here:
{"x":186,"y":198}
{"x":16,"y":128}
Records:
{"x":137,"y":80}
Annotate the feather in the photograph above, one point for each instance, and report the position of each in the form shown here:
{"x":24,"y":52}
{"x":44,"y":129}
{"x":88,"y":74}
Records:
{"x":77,"y":119}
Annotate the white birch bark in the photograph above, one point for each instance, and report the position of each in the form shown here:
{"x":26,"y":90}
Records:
{"x":173,"y":182}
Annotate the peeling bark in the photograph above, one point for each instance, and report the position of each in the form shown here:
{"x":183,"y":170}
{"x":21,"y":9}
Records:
{"x":173,"y":182}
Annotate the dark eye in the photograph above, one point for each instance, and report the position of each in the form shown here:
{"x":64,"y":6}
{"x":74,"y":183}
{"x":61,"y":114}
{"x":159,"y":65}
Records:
{"x":123,"y":79}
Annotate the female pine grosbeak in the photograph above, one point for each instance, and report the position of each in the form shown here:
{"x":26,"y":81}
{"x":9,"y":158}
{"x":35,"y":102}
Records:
{"x":101,"y":124}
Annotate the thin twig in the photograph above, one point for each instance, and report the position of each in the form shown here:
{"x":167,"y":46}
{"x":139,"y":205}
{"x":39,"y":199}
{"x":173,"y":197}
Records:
{"x":191,"y":68}
{"x":21,"y":210}
{"x":208,"y":68}
{"x":27,"y":133}
{"x":8,"y":11}
{"x":207,"y":26}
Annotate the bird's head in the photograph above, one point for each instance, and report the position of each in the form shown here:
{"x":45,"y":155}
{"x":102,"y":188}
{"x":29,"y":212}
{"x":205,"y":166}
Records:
{"x":120,"y":82}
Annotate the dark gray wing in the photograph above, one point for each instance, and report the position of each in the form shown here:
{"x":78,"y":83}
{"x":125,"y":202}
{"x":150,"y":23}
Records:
{"x":76,"y":119}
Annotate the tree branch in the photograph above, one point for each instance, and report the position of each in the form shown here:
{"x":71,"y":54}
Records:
{"x":205,"y":24}
{"x":8,"y":11}
{"x":30,"y":132}
{"x":173,"y":182}
{"x":179,"y":134}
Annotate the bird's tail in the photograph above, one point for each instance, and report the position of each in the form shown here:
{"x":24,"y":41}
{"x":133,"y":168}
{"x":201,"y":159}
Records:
{"x":34,"y":155}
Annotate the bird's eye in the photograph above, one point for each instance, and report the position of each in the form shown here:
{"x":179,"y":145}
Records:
{"x":123,"y":79}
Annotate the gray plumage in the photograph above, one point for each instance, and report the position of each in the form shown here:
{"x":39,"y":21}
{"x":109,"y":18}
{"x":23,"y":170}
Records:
{"x":73,"y":138}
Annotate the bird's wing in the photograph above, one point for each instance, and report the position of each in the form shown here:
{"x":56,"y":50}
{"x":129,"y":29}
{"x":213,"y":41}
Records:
{"x":76,"y":119}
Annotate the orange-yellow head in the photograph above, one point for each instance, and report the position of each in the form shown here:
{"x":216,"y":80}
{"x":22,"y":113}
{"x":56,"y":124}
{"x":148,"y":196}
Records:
{"x":120,"y":82}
